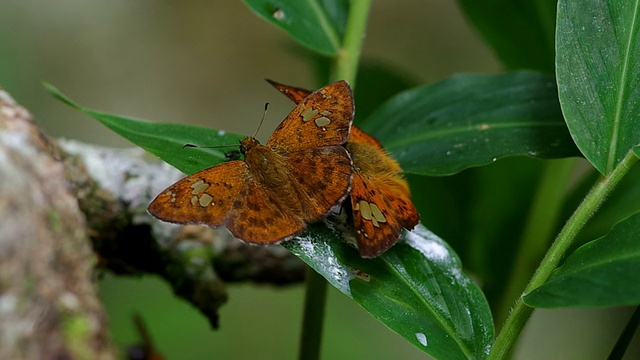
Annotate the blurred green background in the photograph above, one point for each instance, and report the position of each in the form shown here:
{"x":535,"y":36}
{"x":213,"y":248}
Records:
{"x":203,"y":62}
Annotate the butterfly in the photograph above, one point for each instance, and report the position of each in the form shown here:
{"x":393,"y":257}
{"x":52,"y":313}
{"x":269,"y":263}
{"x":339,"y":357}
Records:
{"x":294,"y":179}
{"x":380,"y":203}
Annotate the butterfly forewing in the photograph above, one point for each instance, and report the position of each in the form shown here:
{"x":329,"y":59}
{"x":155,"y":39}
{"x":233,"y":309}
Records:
{"x":322,"y":119}
{"x":204,"y":197}
{"x":322,"y":178}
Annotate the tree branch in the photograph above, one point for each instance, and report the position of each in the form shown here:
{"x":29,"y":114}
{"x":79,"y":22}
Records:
{"x":50,"y":308}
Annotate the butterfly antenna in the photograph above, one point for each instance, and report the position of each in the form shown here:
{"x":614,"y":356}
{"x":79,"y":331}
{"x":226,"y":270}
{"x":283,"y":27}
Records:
{"x":264,"y":113}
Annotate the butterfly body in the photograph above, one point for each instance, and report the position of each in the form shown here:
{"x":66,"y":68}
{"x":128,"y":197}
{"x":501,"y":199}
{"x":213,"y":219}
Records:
{"x":294,"y":179}
{"x":267,"y":167}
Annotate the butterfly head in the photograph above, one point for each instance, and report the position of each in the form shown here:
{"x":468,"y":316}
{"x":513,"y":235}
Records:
{"x":247,"y":144}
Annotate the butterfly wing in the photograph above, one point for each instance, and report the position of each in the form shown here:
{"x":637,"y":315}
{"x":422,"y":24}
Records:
{"x":321,"y":177}
{"x":298,"y":94}
{"x":322,"y":119}
{"x":259,"y":216}
{"x":361,"y":137}
{"x":377,"y":184}
{"x":380,"y":197}
{"x":381,"y":208}
{"x":317,"y":179}
{"x":295,"y":94}
{"x":204,"y":197}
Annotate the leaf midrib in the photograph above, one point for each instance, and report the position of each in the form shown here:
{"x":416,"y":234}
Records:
{"x":602,"y":262}
{"x":436,"y":315}
{"x":407,"y":140}
{"x":624,"y":80}
{"x":325,"y":24}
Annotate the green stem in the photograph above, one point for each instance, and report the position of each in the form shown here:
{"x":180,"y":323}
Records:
{"x":345,"y":67}
{"x":538,"y":231}
{"x":521,"y":312}
{"x":315,"y":299}
{"x":346,"y":63}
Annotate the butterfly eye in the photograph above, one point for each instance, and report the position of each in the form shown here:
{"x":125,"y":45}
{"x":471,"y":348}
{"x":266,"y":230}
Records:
{"x":243,"y":149}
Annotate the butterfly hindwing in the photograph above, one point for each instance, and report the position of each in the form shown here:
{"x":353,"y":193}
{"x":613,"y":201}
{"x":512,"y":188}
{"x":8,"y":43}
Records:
{"x":375,"y":227}
{"x":295,"y":94}
{"x":381,"y":208}
{"x":322,"y":119}
{"x":259,"y":215}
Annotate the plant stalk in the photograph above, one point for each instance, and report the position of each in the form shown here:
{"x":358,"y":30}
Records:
{"x":315,"y":298}
{"x":346,"y":63}
{"x":345,"y":67}
{"x":521,"y":312}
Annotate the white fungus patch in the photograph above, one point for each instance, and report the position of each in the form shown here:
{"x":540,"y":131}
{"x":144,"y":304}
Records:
{"x":329,"y":266}
{"x":431,"y":246}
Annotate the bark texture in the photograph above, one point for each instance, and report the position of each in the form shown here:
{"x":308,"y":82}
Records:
{"x":48,"y":303}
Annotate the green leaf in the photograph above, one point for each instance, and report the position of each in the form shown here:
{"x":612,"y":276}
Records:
{"x":598,"y":70}
{"x":316,"y":24}
{"x":521,"y":32}
{"x":377,"y":82}
{"x":472,"y":120}
{"x":166,"y":141}
{"x":604,"y":272}
{"x":416,"y":288}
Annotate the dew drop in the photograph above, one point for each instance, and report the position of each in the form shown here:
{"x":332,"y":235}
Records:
{"x":422,"y":339}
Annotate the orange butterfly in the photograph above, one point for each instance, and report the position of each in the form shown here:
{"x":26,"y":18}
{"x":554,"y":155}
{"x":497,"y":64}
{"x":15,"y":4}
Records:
{"x":380,"y":198}
{"x":294,"y":179}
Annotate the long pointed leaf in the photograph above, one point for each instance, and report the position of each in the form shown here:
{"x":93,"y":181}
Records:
{"x":598,"y":70}
{"x":316,"y":24}
{"x":604,"y":272}
{"x":472,"y":120}
{"x":166,"y":141}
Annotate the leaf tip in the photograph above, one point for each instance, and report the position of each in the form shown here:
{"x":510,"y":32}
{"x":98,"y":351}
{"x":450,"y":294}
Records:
{"x":59,"y":95}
